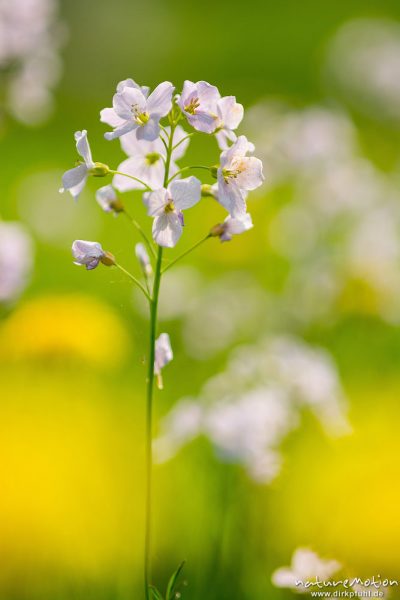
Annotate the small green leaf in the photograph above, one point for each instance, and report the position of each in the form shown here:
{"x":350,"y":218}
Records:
{"x":172,"y":582}
{"x":155,"y":594}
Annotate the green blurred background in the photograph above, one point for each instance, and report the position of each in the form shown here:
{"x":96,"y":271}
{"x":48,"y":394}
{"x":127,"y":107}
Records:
{"x":72,"y":370}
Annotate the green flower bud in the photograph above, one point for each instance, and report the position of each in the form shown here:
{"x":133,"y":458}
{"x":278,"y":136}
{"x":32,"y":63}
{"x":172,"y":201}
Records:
{"x":99,"y":170}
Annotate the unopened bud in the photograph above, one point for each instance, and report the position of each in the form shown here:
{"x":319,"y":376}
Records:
{"x":99,"y":170}
{"x":207,"y":190}
{"x":108,"y":259}
{"x":217,"y":230}
{"x":214,"y":171}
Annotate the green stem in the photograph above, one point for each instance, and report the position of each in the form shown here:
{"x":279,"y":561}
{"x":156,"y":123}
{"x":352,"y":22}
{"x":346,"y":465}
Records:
{"x":136,"y":281}
{"x":187,"y":137}
{"x":146,"y":187}
{"x":142,"y":233}
{"x":149,"y":421}
{"x":150,"y":388}
{"x":196,"y":245}
{"x":187,"y":169}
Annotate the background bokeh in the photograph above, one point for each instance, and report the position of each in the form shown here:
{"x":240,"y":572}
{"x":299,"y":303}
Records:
{"x":278,"y":424}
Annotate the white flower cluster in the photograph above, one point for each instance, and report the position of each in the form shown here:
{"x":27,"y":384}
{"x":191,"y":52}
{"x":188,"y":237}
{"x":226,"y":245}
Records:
{"x":306,"y":566}
{"x":16,"y":260}
{"x":30,"y":66}
{"x":249,"y":409}
{"x":153,"y":149}
{"x":342,"y":224}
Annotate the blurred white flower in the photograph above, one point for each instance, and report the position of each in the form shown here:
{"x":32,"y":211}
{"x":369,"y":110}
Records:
{"x":250,"y":408}
{"x":306,"y":567}
{"x":16,"y":260}
{"x":143,"y":259}
{"x":363,"y":64}
{"x":232,"y":226}
{"x":31,"y":35}
{"x":107,"y":199}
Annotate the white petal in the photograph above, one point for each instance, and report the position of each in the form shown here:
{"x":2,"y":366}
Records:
{"x":284,"y":577}
{"x":74,"y":180}
{"x":203,"y":121}
{"x":83,"y":148}
{"x":223,"y":137}
{"x":125,"y":100}
{"x":125,"y":128}
{"x":231,"y":196}
{"x":130,"y":83}
{"x":105,"y":196}
{"x":251,"y":175}
{"x":239,"y":224}
{"x":208,"y":95}
{"x":160,"y":100}
{"x":163,"y":353}
{"x":152,"y":175}
{"x":156,"y":201}
{"x":185,"y":192}
{"x":150,"y":131}
{"x":230,"y":112}
{"x":167,"y":229}
{"x":239,"y":149}
{"x":109,"y":116}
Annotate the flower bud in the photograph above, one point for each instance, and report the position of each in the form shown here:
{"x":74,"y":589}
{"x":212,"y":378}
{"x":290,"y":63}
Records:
{"x":207,"y":191}
{"x":108,"y":199}
{"x":108,"y":259}
{"x":214,"y":171}
{"x":99,"y":170}
{"x":217,"y":230}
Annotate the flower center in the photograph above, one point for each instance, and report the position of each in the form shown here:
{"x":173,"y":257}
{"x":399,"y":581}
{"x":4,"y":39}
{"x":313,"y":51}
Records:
{"x":170,"y":207}
{"x":192,"y":106}
{"x":141,"y":118}
{"x":152,"y":158}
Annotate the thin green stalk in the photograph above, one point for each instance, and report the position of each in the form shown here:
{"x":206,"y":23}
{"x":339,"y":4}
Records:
{"x":146,"y":187}
{"x":187,"y":137}
{"x":142,"y":233}
{"x":149,"y":421}
{"x":187,"y":169}
{"x":196,"y":245}
{"x":150,"y":387}
{"x":136,"y":281}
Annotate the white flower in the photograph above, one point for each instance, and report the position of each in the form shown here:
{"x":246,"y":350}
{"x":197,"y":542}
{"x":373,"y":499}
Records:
{"x":236,"y":174}
{"x":166,"y":206}
{"x":74,"y":180}
{"x":198,"y":103}
{"x":232,"y":226}
{"x":230,"y":115}
{"x":90,"y":254}
{"x":306,"y":566}
{"x":16,"y":257}
{"x":144,"y":260}
{"x":107,"y":199}
{"x":163,"y":356}
{"x":134,"y":110}
{"x":146,"y":160}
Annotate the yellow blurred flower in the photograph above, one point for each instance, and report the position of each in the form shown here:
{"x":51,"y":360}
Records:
{"x":68,"y":326}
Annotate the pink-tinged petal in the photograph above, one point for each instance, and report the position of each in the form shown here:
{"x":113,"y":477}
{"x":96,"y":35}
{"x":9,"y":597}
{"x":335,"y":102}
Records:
{"x":160,"y":100}
{"x":251,"y":175}
{"x":185,"y":193}
{"x":231,"y":196}
{"x":239,"y":149}
{"x":129,"y":98}
{"x":119,"y":131}
{"x":109,"y":116}
{"x":150,"y":131}
{"x":230,"y":112}
{"x":131,"y":83}
{"x":223,"y":137}
{"x":83,"y":148}
{"x":87,"y":253}
{"x":203,"y":121}
{"x":167,"y":229}
{"x":156,"y":201}
{"x":208,"y":95}
{"x":235,"y":226}
{"x":179,"y":135}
